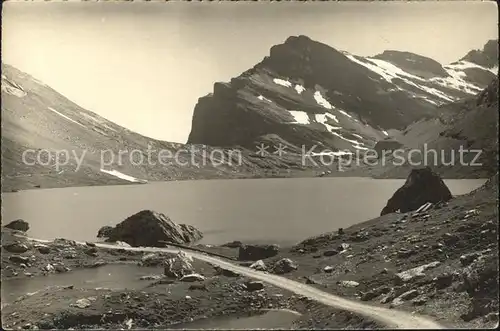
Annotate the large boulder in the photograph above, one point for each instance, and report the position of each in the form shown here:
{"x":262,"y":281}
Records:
{"x":257,"y":252}
{"x":179,"y":266}
{"x":149,"y":228}
{"x":19,"y":225}
{"x":422,"y":186}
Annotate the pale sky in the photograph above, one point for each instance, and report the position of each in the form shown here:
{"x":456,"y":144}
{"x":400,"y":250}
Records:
{"x":144,"y":65}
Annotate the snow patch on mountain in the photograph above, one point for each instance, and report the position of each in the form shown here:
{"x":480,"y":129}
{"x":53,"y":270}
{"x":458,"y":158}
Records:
{"x":282,"y":82}
{"x":299,"y":88}
{"x":12,"y":88}
{"x":66,"y":117}
{"x":301,"y":117}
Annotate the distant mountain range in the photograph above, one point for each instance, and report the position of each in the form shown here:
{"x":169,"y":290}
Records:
{"x":304,"y":94}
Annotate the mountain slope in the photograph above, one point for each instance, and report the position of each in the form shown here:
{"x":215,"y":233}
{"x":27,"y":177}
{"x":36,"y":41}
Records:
{"x":307,"y":93}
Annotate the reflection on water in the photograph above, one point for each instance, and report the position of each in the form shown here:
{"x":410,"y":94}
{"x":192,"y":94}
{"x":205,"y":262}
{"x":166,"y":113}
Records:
{"x":112,"y":276}
{"x":271,"y":319}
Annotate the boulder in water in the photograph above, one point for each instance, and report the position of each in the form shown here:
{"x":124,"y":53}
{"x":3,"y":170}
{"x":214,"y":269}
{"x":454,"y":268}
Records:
{"x":19,"y":225}
{"x":149,"y":228}
{"x":422,"y":186}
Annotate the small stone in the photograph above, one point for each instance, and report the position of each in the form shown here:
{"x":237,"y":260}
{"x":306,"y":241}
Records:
{"x":443,"y":281}
{"x":151,"y":277}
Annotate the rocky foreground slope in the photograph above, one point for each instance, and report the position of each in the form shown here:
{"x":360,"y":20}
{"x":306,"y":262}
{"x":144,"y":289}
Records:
{"x":440,"y":260}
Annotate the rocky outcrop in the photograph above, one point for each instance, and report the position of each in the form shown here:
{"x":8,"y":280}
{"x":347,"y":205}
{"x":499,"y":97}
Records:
{"x":149,"y":228}
{"x":19,"y":225}
{"x":257,"y":252}
{"x":421,"y":186}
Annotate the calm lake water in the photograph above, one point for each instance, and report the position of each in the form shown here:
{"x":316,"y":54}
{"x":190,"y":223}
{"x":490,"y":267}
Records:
{"x":282,"y":211}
